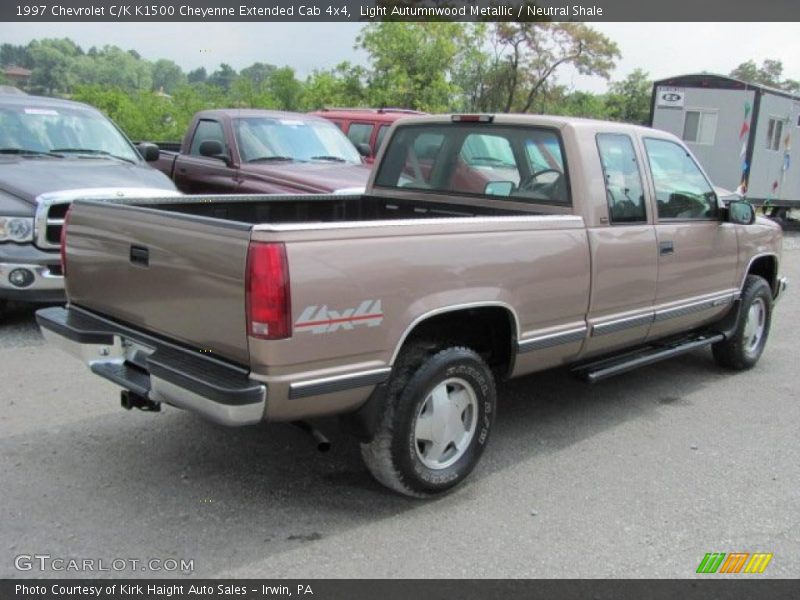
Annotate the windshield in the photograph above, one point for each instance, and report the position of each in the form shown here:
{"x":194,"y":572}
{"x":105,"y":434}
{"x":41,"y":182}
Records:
{"x":265,"y":139}
{"x":43,"y":130}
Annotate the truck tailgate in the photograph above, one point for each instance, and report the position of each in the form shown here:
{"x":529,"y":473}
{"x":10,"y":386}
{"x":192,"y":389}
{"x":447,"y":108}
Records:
{"x":173,"y":275}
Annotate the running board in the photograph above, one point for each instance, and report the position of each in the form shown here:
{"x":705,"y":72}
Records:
{"x":608,"y":367}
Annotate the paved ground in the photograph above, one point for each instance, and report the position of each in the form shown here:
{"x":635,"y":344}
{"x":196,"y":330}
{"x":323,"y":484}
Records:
{"x":639,"y":476}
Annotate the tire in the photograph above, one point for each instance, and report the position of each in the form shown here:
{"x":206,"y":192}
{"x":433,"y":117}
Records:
{"x":448,"y":396}
{"x":743,"y":349}
{"x":3,"y":307}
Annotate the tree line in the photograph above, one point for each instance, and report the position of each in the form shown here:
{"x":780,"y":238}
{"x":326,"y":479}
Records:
{"x":433,"y":67}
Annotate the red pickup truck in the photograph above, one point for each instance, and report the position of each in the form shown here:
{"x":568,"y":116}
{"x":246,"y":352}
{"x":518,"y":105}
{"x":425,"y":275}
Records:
{"x":247,"y":151}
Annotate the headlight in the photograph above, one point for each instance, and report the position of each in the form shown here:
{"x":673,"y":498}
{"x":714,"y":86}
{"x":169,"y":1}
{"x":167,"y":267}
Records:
{"x":16,"y":229}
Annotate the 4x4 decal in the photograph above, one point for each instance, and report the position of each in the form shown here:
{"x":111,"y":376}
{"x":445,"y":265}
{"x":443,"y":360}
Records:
{"x":321,"y":319}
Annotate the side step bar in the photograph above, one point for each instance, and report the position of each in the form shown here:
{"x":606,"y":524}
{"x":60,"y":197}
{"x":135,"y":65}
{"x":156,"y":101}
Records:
{"x":608,"y":367}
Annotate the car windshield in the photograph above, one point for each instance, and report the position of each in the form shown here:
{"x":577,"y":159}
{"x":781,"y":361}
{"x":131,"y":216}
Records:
{"x":41,"y":130}
{"x":274,"y":139}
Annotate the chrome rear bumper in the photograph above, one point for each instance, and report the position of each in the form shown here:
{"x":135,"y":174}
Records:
{"x":155,"y":368}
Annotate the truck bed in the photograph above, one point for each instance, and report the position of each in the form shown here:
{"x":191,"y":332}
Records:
{"x":152,"y":258}
{"x":317,"y":208}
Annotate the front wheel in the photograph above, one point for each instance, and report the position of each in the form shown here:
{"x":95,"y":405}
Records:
{"x":743,"y":349}
{"x":435,"y":424}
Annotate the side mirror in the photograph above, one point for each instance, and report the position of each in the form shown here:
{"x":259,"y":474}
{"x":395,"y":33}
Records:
{"x":364,"y":149}
{"x":213,"y":149}
{"x":741,"y":212}
{"x":149,"y":152}
{"x":499,"y":188}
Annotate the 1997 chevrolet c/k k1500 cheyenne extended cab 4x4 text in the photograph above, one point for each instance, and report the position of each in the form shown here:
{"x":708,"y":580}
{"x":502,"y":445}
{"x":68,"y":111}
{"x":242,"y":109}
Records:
{"x":484,"y":247}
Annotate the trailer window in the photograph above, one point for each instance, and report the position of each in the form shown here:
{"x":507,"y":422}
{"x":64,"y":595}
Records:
{"x":700,"y":126}
{"x":774,"y":133}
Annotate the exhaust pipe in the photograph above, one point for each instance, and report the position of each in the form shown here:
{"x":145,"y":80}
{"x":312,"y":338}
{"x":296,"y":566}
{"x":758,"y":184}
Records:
{"x":130,"y":400}
{"x":323,"y":443}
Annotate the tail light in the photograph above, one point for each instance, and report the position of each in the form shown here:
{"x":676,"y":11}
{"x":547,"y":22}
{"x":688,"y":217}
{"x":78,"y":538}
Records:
{"x":64,"y":243}
{"x":269,"y":315}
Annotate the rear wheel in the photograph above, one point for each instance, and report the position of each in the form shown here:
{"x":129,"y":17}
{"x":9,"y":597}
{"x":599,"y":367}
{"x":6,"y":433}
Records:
{"x":743,"y":349}
{"x":435,"y":423}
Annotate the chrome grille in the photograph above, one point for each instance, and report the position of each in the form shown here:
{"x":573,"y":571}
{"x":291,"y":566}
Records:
{"x":49,"y":221}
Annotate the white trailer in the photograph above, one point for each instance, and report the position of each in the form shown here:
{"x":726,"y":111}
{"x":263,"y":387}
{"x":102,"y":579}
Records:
{"x":747,"y":136}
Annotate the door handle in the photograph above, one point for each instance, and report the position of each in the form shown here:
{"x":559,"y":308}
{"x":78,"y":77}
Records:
{"x":666,"y":248}
{"x":140,"y":256}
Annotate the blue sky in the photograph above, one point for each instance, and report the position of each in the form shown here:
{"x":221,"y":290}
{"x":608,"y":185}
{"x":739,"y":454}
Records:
{"x":662,"y":49}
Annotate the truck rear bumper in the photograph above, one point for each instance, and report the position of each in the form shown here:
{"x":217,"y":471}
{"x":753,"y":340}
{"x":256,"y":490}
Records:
{"x":156,"y":369}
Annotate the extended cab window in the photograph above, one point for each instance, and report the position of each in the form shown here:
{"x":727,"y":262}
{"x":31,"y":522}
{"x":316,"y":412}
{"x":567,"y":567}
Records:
{"x":682,"y":191}
{"x":524,"y":164}
{"x":624,"y":189}
{"x":206,"y":130}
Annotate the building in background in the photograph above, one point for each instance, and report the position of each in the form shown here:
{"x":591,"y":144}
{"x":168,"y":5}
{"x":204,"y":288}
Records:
{"x":746,"y":135}
{"x":17,"y":76}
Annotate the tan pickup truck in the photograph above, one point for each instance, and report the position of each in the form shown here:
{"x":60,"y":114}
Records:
{"x":485,"y":247}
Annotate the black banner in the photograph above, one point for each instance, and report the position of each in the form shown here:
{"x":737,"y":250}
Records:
{"x":342,"y":589}
{"x":397,"y":10}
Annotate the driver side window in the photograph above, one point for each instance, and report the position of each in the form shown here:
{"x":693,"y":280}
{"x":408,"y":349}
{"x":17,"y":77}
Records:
{"x":682,"y":191}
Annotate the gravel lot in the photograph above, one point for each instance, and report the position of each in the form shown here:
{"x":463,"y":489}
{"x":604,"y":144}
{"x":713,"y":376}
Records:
{"x":638,"y":476}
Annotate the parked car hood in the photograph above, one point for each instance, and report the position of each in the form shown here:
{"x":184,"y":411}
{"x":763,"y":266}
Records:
{"x":27,"y":178}
{"x":314,"y":177}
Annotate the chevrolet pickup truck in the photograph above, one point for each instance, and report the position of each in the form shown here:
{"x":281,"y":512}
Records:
{"x":51,"y":152}
{"x":572,"y":242}
{"x":248,"y":151}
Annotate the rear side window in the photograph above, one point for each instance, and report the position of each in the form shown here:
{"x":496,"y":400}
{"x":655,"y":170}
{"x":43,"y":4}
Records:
{"x":523,"y":164}
{"x":359,"y":133}
{"x":206,"y":130}
{"x":682,"y":191}
{"x":624,"y":190}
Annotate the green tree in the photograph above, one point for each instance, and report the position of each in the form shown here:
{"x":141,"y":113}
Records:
{"x":341,"y":86}
{"x":113,"y":67}
{"x":258,"y":73}
{"x":410,"y":63}
{"x":629,"y":99}
{"x":473,"y":71}
{"x":534,"y":52}
{"x":559,"y":101}
{"x":53,"y":62}
{"x":285,"y":88}
{"x":199,"y":75}
{"x":223,"y":77}
{"x":770,"y":73}
{"x":244,"y":93}
{"x":15,"y":55}
{"x":167,"y":76}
